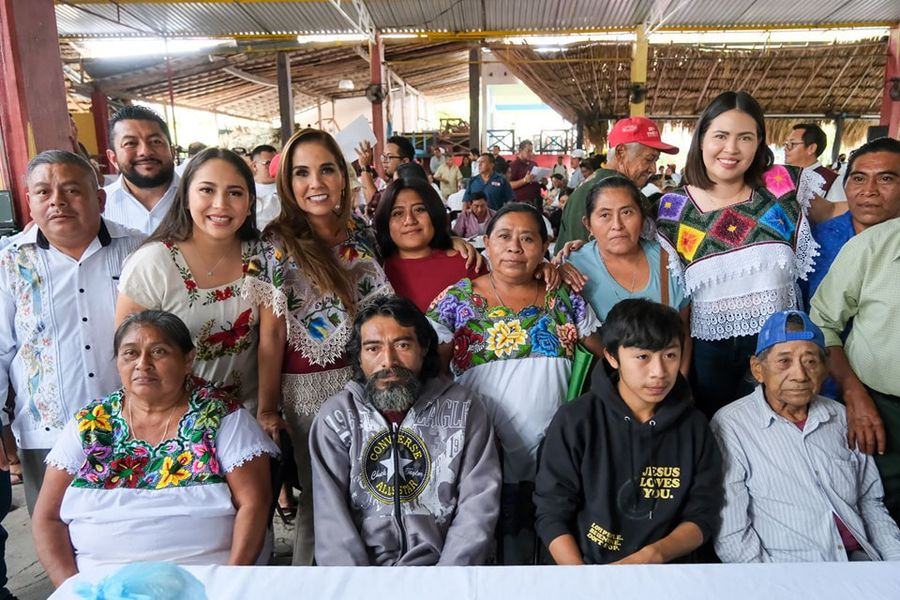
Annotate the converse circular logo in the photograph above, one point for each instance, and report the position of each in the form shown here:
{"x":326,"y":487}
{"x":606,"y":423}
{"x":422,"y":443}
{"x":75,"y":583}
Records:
{"x":409,"y":471}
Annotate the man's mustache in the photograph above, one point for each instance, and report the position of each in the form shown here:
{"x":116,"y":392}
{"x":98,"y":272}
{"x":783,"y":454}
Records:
{"x":401,"y":373}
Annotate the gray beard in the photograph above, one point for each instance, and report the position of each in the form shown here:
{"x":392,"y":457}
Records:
{"x":398,"y":396}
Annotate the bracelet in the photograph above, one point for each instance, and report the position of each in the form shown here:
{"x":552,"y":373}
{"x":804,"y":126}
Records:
{"x":370,"y":170}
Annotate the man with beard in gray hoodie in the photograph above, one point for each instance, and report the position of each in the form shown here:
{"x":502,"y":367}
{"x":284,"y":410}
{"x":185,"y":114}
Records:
{"x":405,"y":468}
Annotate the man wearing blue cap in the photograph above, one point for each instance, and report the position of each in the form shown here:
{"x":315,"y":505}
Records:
{"x":794,"y":492}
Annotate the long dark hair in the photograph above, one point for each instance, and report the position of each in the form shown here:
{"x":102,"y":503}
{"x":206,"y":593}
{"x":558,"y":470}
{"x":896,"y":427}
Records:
{"x":178,"y":226}
{"x":436,"y":212}
{"x":407,"y":314}
{"x":294,"y":230}
{"x":695,"y":170}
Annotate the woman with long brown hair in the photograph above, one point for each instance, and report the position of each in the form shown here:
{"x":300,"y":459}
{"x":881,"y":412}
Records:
{"x":319,"y":266}
{"x":195,"y":267}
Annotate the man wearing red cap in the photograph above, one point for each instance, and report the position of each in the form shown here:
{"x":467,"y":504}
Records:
{"x":634,"y":147}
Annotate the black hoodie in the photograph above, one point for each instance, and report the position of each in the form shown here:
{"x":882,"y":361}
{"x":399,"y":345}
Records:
{"x":616,"y":484}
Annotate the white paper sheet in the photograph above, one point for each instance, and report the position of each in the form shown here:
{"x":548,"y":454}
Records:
{"x":352,"y":135}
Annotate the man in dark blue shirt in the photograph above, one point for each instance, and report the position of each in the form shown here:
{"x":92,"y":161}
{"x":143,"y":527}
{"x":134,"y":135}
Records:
{"x":494,"y":186}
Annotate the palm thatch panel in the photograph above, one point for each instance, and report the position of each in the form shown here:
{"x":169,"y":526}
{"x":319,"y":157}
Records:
{"x":591,"y":81}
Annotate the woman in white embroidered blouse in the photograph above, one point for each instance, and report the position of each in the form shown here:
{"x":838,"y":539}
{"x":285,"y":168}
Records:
{"x":737,"y":234}
{"x":195,"y":266}
{"x":168,"y":468}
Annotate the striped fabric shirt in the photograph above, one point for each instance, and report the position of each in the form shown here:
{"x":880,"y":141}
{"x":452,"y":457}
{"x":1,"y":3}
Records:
{"x":126,"y":210}
{"x":783,"y":484}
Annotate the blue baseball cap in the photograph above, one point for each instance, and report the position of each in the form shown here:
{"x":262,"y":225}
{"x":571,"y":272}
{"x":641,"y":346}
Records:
{"x":775,"y":331}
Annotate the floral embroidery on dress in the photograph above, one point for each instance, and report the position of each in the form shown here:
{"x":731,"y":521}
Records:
{"x":248,"y":252}
{"x":483,"y":333}
{"x":318,"y":324}
{"x":114,"y":461}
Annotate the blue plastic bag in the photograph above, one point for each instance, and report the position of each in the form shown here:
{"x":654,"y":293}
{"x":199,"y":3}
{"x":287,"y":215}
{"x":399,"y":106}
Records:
{"x":145,"y":581}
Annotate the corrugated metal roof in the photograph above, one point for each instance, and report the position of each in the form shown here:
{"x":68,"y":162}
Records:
{"x":221,"y":18}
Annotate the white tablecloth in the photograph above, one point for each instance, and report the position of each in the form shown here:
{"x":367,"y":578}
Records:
{"x":822,"y":581}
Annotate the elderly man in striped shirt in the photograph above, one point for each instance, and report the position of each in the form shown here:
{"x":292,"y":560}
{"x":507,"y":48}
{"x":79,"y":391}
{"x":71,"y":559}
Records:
{"x":794,"y":492}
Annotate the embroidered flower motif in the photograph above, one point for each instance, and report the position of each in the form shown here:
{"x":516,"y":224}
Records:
{"x":499,"y":311}
{"x":454,"y":312}
{"x":528,"y":311}
{"x":505,"y":338}
{"x":190,"y":284}
{"x":318,"y":328}
{"x":96,"y":419}
{"x":671,"y":206}
{"x":689,"y":239}
{"x":462,"y":341}
{"x":543,"y":341}
{"x":173,"y":471}
{"x":568,"y":337}
{"x":778,"y":181}
{"x":578,"y":306}
{"x":125,"y":472}
{"x":209,"y":417}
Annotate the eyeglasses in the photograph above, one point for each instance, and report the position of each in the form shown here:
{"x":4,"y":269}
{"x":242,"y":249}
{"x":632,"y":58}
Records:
{"x":789,"y":144}
{"x":390,"y":157}
{"x":264,"y":163}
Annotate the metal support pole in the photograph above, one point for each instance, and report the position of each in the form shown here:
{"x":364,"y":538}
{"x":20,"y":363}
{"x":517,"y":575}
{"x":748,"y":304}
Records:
{"x":285,"y":96}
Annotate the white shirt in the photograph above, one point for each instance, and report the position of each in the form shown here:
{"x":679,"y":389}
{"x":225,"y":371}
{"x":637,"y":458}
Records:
{"x":268,"y":206}
{"x":455,"y":200}
{"x":56,"y":328}
{"x":836,"y":192}
{"x":123,"y":208}
{"x":783,"y":484}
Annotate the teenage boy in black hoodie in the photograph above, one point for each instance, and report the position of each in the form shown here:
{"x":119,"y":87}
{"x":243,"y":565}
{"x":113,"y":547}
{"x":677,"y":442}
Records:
{"x":630,"y":472}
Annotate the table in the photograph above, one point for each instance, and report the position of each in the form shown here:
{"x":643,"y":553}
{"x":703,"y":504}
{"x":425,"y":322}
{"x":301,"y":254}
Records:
{"x":820,"y":581}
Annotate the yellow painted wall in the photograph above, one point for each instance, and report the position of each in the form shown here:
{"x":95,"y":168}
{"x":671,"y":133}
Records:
{"x":86,"y":134}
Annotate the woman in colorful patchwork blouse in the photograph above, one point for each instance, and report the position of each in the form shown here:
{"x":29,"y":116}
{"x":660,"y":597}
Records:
{"x":737,"y":234}
{"x":168,"y":468}
{"x":506,"y":337}
{"x":195,"y":266}
{"x":317,"y":267}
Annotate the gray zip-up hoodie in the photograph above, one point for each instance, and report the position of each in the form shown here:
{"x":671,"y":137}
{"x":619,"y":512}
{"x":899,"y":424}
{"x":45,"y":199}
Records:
{"x":424,"y":492}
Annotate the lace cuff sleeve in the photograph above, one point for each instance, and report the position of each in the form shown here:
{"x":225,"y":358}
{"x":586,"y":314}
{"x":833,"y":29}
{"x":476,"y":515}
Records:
{"x":67,"y":453}
{"x":241,"y":439}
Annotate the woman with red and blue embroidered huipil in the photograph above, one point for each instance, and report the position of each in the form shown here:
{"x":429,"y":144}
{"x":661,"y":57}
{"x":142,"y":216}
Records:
{"x":195,"y":266}
{"x":738,"y":235}
{"x":168,"y":468}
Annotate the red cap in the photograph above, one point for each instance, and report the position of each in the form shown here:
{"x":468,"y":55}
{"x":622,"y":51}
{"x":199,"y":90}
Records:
{"x":641,"y":130}
{"x":273,"y":166}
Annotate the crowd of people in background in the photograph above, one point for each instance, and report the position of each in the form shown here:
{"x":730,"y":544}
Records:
{"x":463,"y":362}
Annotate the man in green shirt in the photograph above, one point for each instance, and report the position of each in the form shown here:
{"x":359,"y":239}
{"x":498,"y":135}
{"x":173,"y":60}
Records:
{"x":634,"y":149}
{"x":863,"y":284}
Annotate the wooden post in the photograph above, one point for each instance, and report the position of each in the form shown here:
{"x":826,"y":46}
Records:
{"x":285,"y":96}
{"x":639,"y":53}
{"x":33,"y":115}
{"x":890,"y":109}
{"x":474,"y":97}
{"x":100,"y":113}
{"x":376,"y":72}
